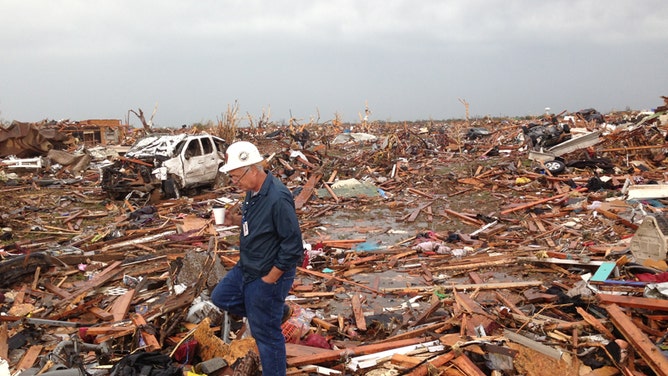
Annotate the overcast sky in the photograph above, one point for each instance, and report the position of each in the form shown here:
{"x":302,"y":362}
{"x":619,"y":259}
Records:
{"x":409,"y":60}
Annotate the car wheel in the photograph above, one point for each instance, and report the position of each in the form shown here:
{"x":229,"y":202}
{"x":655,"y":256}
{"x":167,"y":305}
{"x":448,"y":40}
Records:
{"x":555,"y":167}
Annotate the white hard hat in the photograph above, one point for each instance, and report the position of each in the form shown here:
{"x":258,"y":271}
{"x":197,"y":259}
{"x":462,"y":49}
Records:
{"x":241,"y":154}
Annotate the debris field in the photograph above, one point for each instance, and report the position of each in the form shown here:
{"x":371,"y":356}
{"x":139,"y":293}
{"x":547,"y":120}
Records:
{"x":491,"y":246}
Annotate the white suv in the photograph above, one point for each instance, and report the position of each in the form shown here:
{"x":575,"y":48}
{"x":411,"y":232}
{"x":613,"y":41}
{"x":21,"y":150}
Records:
{"x":172,"y":163}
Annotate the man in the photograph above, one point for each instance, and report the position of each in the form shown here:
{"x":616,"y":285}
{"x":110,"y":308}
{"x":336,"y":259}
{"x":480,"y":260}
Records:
{"x":270,"y":249}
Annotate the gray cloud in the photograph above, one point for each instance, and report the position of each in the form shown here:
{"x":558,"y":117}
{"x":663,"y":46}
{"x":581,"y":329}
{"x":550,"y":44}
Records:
{"x":409,"y":60}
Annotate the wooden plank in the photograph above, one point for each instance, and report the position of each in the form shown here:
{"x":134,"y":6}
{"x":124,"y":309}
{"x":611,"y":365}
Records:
{"x":114,"y":335}
{"x":358,"y":313}
{"x":4,"y":336}
{"x":424,"y":315}
{"x":537,"y":296}
{"x":101,"y":314}
{"x":509,"y":304}
{"x":394,"y":259}
{"x":593,"y":321}
{"x":426,"y":273}
{"x":307,"y":191}
{"x":102,"y":277}
{"x":418,"y":192}
{"x":328,"y":276}
{"x":331,"y":193}
{"x":55,"y":289}
{"x":413,"y":215}
{"x":104,"y":330}
{"x":435,"y":327}
{"x":603,"y":271}
{"x":318,"y":322}
{"x":475,"y":277}
{"x":613,"y":216}
{"x":464,"y":218}
{"x":79,"y":309}
{"x":404,"y":361}
{"x":649,"y":352}
{"x":541,"y":201}
{"x":478,"y":315}
{"x":465,"y":365}
{"x":121,"y":305}
{"x":331,"y":355}
{"x":332,"y":176}
{"x":151,"y":342}
{"x":293,"y":349}
{"x":439,"y":361}
{"x":29,"y":358}
{"x":468,"y":286}
{"x":634,"y":302}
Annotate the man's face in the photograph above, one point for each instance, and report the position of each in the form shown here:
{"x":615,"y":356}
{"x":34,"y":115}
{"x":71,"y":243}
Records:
{"x":241,"y":177}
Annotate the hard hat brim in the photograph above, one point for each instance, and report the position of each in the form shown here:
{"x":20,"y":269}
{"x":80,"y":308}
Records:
{"x":227,"y":167}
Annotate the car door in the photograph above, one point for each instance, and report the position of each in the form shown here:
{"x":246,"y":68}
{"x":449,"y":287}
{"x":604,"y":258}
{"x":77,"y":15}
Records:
{"x":210,"y":160}
{"x":194,"y":163}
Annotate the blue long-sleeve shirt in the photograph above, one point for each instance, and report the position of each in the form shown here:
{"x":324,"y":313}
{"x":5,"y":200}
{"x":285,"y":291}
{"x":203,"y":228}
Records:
{"x":274,"y":237}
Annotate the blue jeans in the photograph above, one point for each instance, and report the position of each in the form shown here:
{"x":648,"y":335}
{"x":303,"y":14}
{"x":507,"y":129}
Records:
{"x":262,"y":304}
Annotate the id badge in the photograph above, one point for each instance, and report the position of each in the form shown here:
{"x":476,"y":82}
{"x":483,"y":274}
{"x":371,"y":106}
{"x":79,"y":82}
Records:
{"x":245,"y":228}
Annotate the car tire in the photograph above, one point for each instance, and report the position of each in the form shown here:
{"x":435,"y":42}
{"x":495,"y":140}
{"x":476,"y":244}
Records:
{"x":555,"y":166}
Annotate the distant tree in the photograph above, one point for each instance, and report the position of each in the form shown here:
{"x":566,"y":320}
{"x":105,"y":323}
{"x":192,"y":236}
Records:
{"x":146,"y":124}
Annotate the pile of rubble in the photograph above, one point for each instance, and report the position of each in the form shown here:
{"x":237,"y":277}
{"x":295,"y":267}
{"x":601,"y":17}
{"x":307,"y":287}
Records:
{"x":500,"y":246}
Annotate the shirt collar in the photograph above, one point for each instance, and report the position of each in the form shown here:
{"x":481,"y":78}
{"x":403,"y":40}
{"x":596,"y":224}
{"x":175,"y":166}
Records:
{"x":268,"y":181}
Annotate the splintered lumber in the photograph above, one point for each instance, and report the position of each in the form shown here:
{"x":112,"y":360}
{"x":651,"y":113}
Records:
{"x":4,"y":348}
{"x":82,"y":307}
{"x":538,"y":202}
{"x":323,"y":324}
{"x":29,"y":358}
{"x":151,"y":342}
{"x":413,"y":215}
{"x":476,"y":265}
{"x":331,"y":355}
{"x":649,"y":352}
{"x":434,"y":306}
{"x":439,"y":361}
{"x":293,"y":349}
{"x":405,"y":361}
{"x":394,"y":259}
{"x":345,"y":243}
{"x":106,"y":330}
{"x":613,"y":216}
{"x":476,"y":315}
{"x":593,"y":321}
{"x":101,"y":314}
{"x":416,"y":332}
{"x":360,"y":320}
{"x":331,"y":192}
{"x":121,"y":305}
{"x":307,"y":191}
{"x":634,"y":302}
{"x":327,"y":276}
{"x":464,"y":217}
{"x":465,"y":365}
{"x":95,"y":282}
{"x":509,"y":304}
{"x":332,"y":176}
{"x":418,"y":192}
{"x":469,"y":286}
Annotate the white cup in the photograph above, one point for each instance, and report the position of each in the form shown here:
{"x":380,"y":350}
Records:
{"x":219,"y":215}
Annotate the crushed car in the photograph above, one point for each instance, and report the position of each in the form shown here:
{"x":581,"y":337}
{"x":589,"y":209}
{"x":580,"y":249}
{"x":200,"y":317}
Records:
{"x":169,"y":164}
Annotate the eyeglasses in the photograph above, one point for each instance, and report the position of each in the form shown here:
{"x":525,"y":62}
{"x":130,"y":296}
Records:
{"x":238,"y":179}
